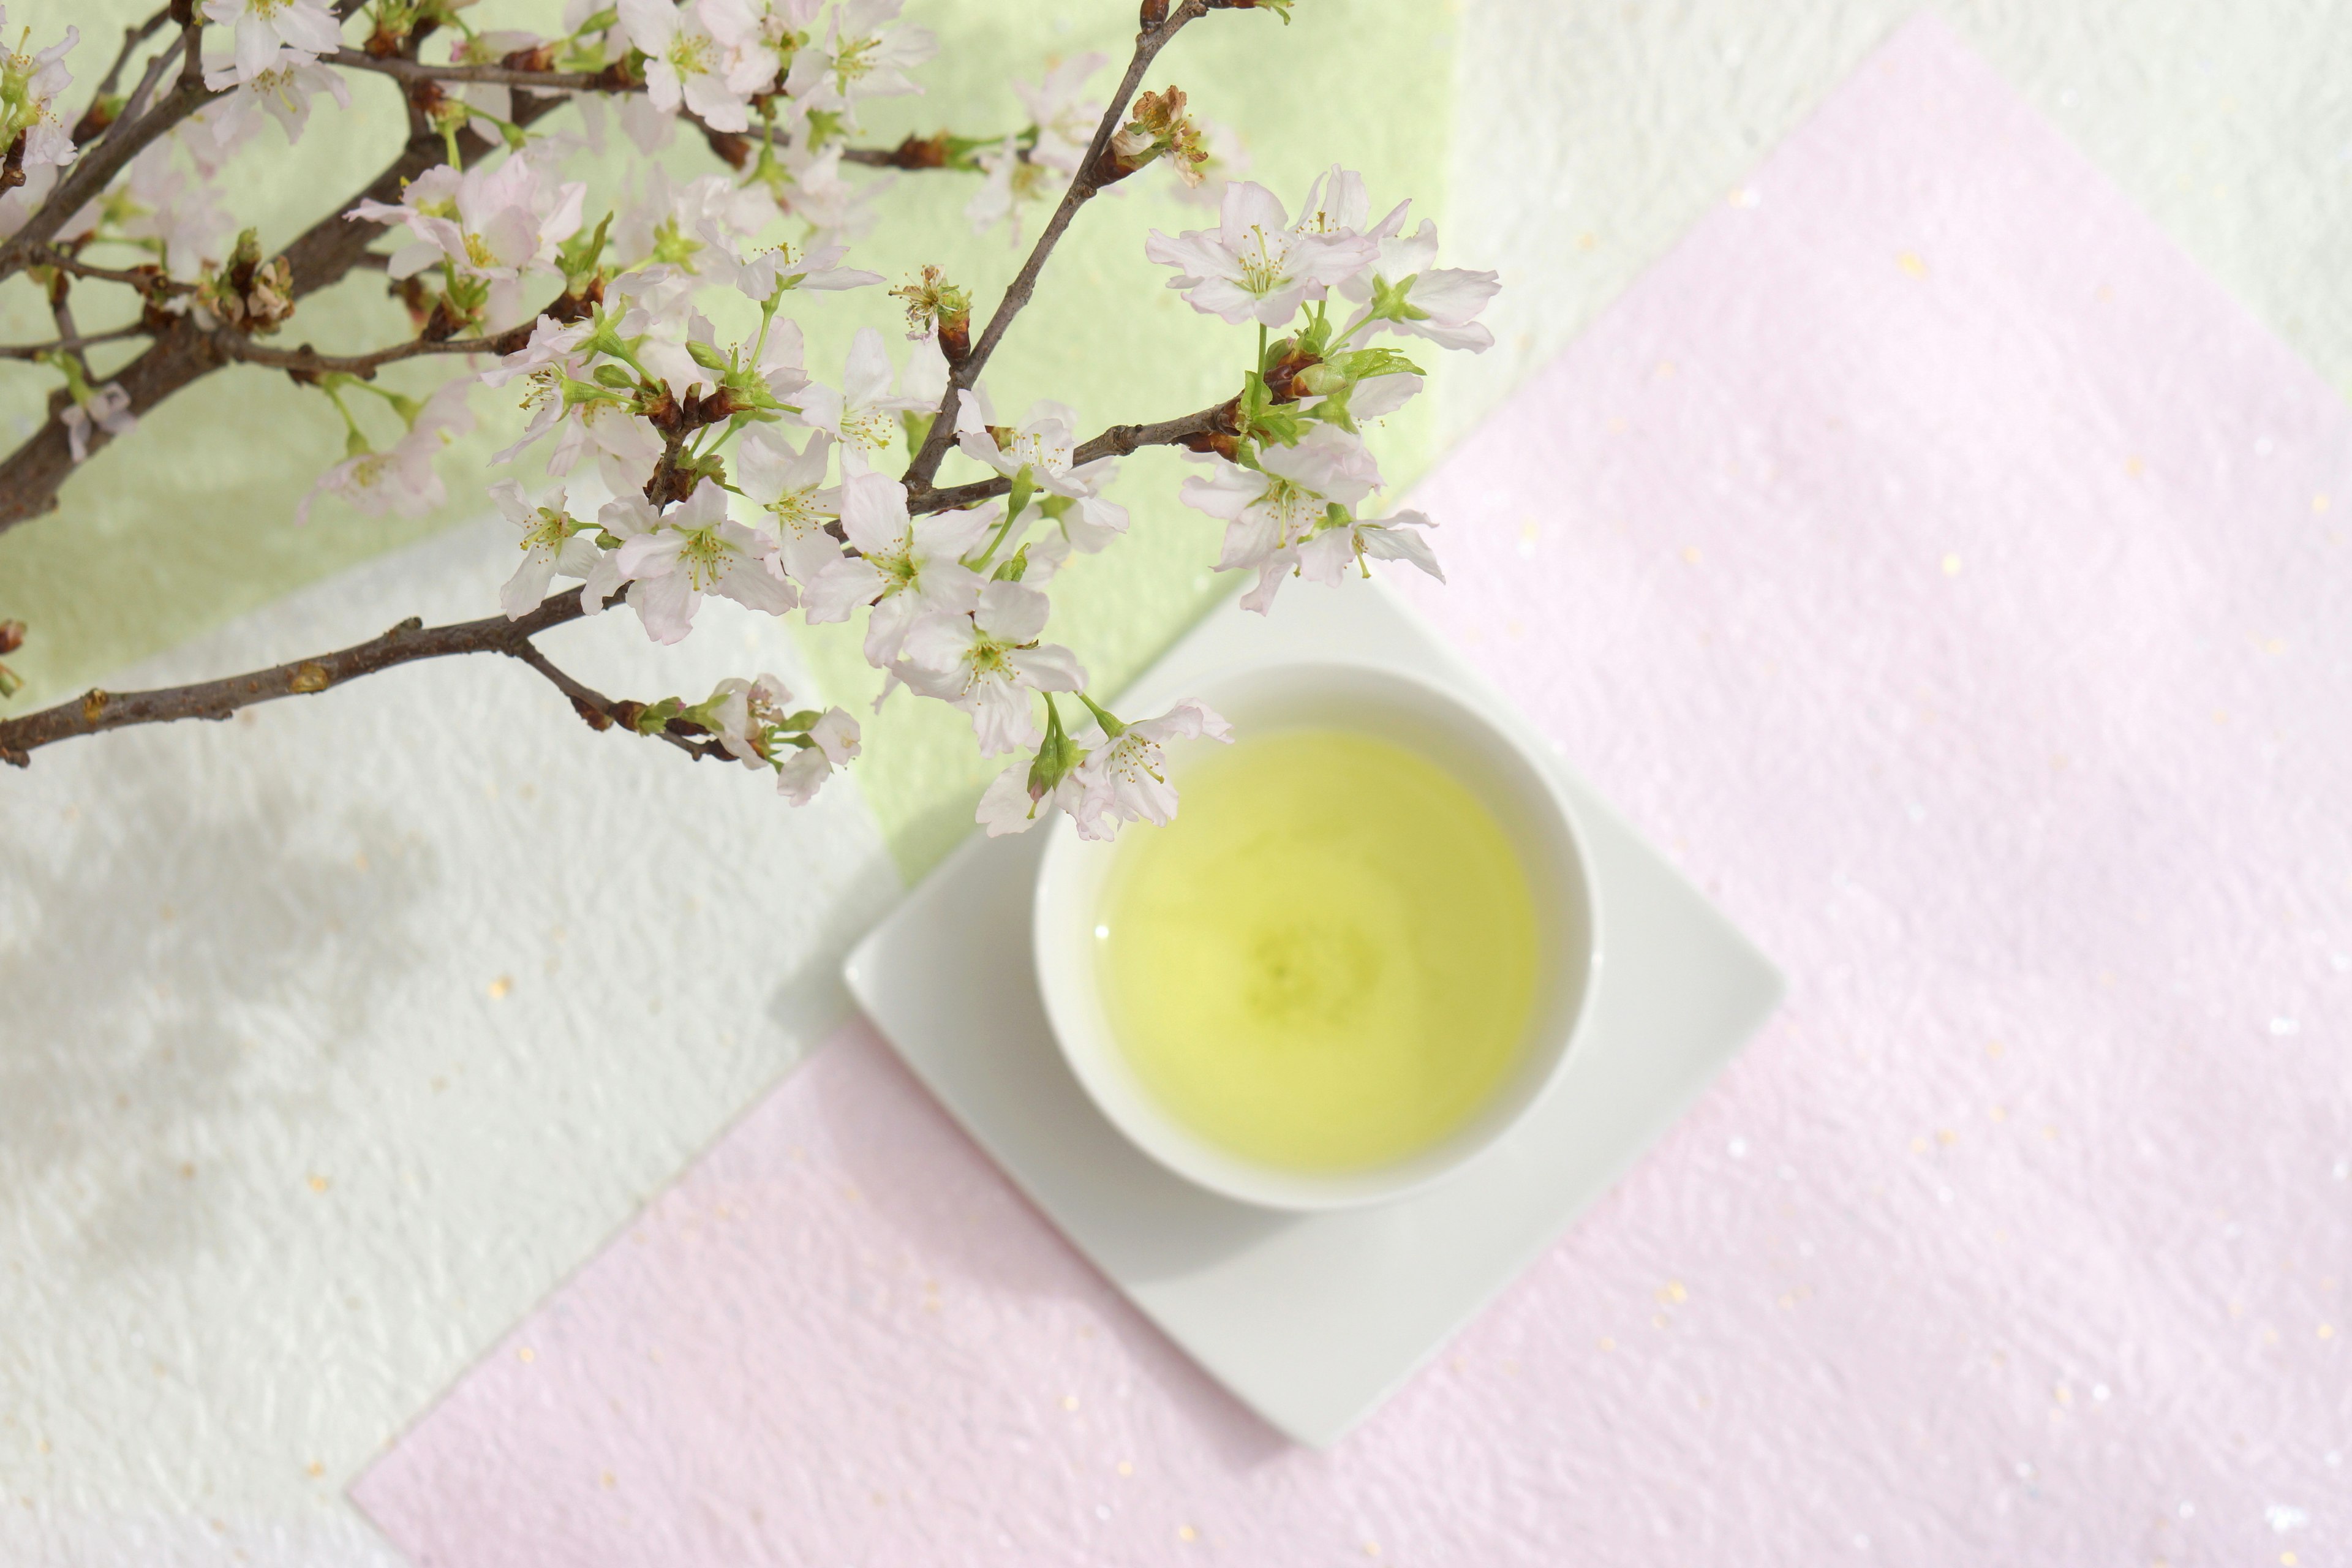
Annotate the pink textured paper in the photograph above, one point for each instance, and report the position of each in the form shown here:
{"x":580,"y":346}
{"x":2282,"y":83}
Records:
{"x":1945,"y":572}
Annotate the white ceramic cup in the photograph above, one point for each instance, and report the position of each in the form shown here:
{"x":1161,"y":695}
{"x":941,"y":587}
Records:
{"x":1489,"y":760}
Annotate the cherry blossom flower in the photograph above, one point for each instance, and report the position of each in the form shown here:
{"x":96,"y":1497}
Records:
{"x":1438,"y":304}
{"x":906,"y":567}
{"x":553,"y":543}
{"x":1228,"y":160}
{"x":696,"y":230}
{"x":263,"y":26}
{"x":30,"y":87}
{"x":108,"y":409}
{"x":739,"y":709}
{"x":790,"y":267}
{"x":1272,"y":509}
{"x":833,"y":743}
{"x":1011,"y":181}
{"x":494,"y":100}
{"x":808,"y":185}
{"x":1045,"y":448}
{"x":863,"y":415}
{"x":1065,"y":126}
{"x":698,"y":549}
{"x":790,"y":487}
{"x":1124,"y":778}
{"x":1330,"y":552}
{"x":283,"y":89}
{"x":1254,"y":266}
{"x":162,"y":202}
{"x":1008,"y":805}
{"x":987,"y":662}
{"x":587,"y":419}
{"x":862,"y":56}
{"x":684,"y":63}
{"x":403,"y":479}
{"x":494,"y":223}
{"x":756,"y":34}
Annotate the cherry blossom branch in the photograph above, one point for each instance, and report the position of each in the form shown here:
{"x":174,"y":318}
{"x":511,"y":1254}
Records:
{"x":305,"y":361}
{"x":145,"y":280}
{"x":31,"y":476}
{"x":69,"y":345}
{"x":409,"y":70}
{"x":1082,"y":186}
{"x":90,"y":125}
{"x":91,"y":174}
{"x":1117,"y":441}
{"x":410,"y":641}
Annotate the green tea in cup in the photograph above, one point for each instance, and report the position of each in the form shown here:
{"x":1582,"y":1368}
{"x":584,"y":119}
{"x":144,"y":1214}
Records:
{"x":1328,"y":961}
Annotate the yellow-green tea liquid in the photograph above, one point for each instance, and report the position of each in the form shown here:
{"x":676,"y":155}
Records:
{"x":1327,"y":960}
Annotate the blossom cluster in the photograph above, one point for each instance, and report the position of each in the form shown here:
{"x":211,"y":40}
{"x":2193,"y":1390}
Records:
{"x":691,"y":463}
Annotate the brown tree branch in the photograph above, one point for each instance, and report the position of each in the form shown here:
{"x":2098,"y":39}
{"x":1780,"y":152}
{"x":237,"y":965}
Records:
{"x":31,"y":476}
{"x":305,"y":361}
{"x":409,"y":70}
{"x":411,"y":640}
{"x":144,"y":278}
{"x":1117,"y":441}
{"x":89,"y":174}
{"x":1082,"y":186}
{"x":133,"y":36}
{"x":69,"y":345}
{"x":96,"y":711}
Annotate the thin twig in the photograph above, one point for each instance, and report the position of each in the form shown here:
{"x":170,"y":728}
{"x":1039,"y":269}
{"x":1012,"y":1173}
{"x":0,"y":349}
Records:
{"x":309,"y":362}
{"x":136,"y":104}
{"x":1116,"y":442}
{"x":143,"y":280}
{"x":1082,"y":186}
{"x":131,"y":38}
{"x":406,"y":643}
{"x":493,"y":75}
{"x":69,"y":345}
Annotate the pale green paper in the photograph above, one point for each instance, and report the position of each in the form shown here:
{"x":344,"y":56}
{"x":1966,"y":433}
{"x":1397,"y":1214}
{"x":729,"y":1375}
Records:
{"x":190,"y":522}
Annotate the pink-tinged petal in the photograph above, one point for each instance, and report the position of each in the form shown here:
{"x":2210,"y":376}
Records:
{"x":652,"y":554}
{"x":706,"y":93}
{"x":1001,"y":717}
{"x":1396,"y":539}
{"x":867,"y":380}
{"x":1378,"y":396}
{"x":1248,"y":206}
{"x":1470,"y":335}
{"x":650,"y":24}
{"x":758,"y":586}
{"x":1269,"y":582}
{"x":843,"y":585}
{"x":528,"y":586}
{"x":1326,"y":558}
{"x":1232,"y":303}
{"x":666,"y":606}
{"x":1005,"y":806}
{"x":874,"y":512}
{"x":801,"y":776}
{"x":887,"y":629}
{"x":836,"y":735}
{"x":577,"y":557}
{"x":1452,"y":295}
{"x":1049,"y":667}
{"x":937,"y":643}
{"x":1011,"y":612}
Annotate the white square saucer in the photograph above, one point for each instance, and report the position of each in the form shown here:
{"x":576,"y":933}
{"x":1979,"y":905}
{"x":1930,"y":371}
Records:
{"x":1312,"y":1320}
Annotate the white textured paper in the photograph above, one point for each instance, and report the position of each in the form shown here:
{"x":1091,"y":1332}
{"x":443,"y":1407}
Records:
{"x":332,"y":1037}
